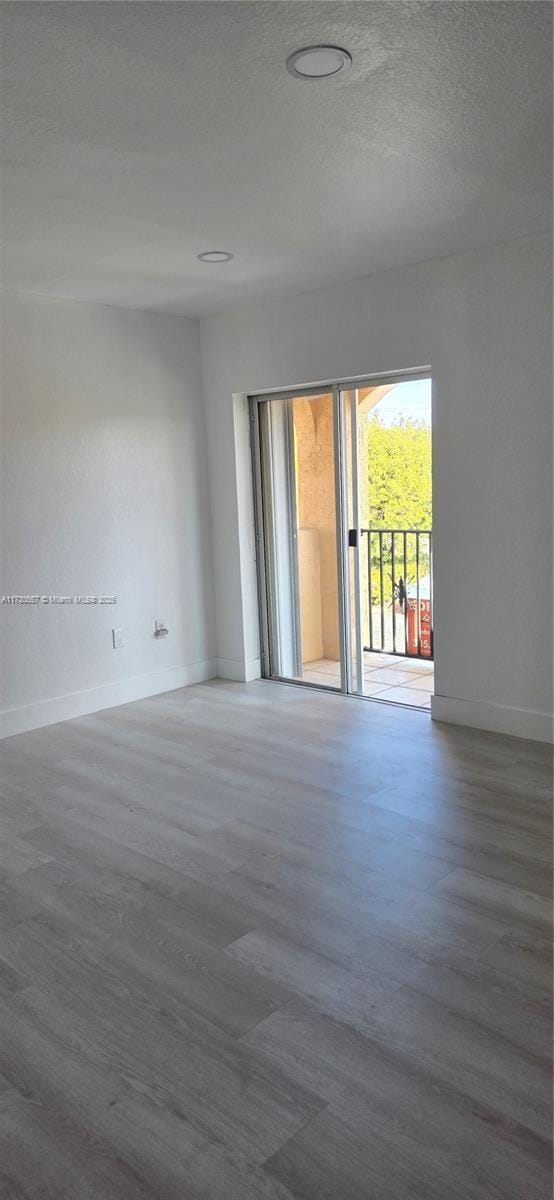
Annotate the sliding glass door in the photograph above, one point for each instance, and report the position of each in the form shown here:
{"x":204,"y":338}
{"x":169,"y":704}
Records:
{"x":344,"y":536}
{"x":299,"y":559}
{"x":386,"y":429}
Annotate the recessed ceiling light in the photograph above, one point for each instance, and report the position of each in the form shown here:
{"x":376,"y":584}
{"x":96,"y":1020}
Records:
{"x":215,"y":256}
{"x":315,"y":62}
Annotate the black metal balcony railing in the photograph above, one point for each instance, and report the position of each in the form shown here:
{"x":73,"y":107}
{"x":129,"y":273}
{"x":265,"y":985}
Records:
{"x":399,"y":568}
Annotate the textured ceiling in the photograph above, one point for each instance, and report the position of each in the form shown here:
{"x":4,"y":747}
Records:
{"x":138,"y":134}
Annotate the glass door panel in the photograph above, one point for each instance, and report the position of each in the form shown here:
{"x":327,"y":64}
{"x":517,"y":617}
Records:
{"x":386,"y":454}
{"x":298,"y":496}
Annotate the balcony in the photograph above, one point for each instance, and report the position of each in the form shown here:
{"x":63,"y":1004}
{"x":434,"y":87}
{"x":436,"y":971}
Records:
{"x":396,"y":619}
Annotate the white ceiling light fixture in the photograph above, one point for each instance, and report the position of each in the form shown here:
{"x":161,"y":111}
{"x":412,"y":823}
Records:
{"x":317,"y":62}
{"x":215,"y":256}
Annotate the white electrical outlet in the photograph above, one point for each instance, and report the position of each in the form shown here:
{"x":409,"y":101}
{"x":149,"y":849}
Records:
{"x":118,"y":639}
{"x":160,"y":629}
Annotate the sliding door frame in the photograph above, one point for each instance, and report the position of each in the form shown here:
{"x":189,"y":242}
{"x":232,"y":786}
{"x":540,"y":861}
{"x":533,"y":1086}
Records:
{"x":336,"y":388}
{"x":261,"y":576}
{"x":341,"y":515}
{"x":358,"y":671}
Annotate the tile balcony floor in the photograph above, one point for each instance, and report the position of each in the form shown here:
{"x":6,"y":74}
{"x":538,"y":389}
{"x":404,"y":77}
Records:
{"x":386,"y":677}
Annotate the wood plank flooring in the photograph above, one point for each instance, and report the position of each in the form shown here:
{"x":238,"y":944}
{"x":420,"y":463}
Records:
{"x":257,"y":943}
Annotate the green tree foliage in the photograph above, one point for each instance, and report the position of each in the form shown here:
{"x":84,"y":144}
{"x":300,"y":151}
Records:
{"x":398,"y":496}
{"x":399,"y":474}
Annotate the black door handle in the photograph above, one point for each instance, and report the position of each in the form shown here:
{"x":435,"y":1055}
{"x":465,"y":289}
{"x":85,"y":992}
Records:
{"x":353,"y":538}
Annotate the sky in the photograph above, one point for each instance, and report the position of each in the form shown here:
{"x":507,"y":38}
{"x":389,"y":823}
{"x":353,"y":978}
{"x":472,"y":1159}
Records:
{"x":410,"y":399}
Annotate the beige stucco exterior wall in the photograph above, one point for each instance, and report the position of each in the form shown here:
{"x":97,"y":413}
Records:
{"x":315,"y":500}
{"x":317,"y":547}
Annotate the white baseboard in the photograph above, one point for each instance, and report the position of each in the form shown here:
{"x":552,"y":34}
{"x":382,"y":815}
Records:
{"x":108,"y":695}
{"x":496,"y":718}
{"x":239,"y":670}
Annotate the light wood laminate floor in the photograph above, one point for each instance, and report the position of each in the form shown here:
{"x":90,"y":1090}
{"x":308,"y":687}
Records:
{"x":259,"y":943}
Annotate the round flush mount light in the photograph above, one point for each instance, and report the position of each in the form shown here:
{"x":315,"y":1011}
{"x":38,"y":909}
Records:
{"x":215,"y":256}
{"x":317,"y":62}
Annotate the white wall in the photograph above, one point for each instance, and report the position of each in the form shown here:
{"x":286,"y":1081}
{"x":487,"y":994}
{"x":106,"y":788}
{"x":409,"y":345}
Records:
{"x":483,"y":322}
{"x":104,"y":491}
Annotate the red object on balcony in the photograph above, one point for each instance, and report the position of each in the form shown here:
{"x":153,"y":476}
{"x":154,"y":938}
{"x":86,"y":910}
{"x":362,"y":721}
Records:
{"x":425,"y":649}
